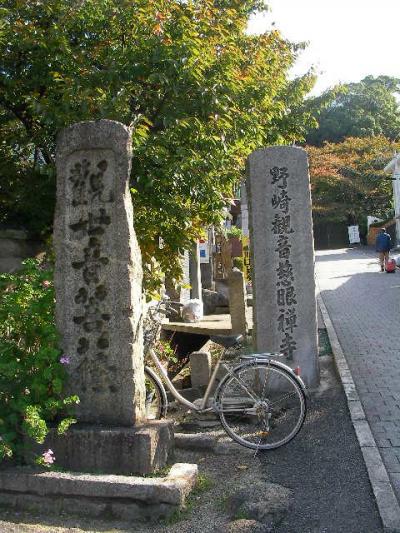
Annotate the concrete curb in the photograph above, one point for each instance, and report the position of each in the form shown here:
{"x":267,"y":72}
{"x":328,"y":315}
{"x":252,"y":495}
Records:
{"x":386,"y":500}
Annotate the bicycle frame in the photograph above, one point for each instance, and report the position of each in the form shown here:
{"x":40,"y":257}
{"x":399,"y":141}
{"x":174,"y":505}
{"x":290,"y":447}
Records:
{"x":202,"y":407}
{"x":174,"y":391}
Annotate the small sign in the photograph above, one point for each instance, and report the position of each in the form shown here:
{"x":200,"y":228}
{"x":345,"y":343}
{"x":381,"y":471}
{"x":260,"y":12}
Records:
{"x":204,"y":251}
{"x":160,"y":243}
{"x":246,"y":258}
{"x":354,"y":235}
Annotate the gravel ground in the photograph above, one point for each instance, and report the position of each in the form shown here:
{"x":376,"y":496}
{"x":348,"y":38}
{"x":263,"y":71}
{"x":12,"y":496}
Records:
{"x":323,"y":466}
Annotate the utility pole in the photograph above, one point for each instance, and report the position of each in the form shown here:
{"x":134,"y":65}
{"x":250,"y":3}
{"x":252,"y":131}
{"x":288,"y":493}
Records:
{"x":394,"y":167}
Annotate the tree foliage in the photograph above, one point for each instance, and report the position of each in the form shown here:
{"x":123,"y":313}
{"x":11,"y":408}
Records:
{"x":347,"y":179}
{"x":198,"y":92}
{"x":364,"y":109}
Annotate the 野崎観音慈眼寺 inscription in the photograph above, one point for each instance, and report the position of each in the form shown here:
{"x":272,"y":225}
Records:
{"x":285,"y":289}
{"x":282,"y":254}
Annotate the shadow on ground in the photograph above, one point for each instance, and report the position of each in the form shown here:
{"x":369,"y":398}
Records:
{"x":325,"y":469}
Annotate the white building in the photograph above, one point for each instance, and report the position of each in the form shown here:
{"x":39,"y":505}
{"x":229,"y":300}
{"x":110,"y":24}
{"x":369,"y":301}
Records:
{"x":394,"y":167}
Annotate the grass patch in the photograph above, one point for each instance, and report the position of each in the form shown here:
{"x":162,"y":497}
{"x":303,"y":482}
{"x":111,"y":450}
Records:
{"x":203,"y":484}
{"x":324,"y":345}
{"x":163,"y":472}
{"x":241,"y":515}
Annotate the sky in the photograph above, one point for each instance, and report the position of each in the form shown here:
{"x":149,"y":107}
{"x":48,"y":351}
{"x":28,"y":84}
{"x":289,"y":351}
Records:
{"x":348,"y":39}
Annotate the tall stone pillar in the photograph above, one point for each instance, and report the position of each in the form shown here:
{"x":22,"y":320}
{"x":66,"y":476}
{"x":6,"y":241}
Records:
{"x":207,"y":264}
{"x":237,"y":302}
{"x":282,"y":252}
{"x":98,"y":274}
{"x":98,"y":281}
{"x":195,"y":273}
{"x":180,"y":292}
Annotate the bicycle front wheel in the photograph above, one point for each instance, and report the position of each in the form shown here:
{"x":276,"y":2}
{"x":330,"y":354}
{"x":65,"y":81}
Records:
{"x":261,"y":405}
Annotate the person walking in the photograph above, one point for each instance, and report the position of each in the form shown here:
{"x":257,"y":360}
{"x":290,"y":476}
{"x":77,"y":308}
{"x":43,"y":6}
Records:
{"x":383,"y":244}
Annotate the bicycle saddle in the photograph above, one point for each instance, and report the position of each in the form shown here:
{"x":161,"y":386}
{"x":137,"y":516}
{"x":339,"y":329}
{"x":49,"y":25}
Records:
{"x":227,"y":341}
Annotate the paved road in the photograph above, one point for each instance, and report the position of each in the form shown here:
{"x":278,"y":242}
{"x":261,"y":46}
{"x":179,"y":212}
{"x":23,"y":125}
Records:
{"x":364,"y":306}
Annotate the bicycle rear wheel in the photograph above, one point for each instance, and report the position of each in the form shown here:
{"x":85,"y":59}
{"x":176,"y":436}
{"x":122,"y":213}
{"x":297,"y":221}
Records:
{"x":261,"y":406}
{"x":156,"y":402}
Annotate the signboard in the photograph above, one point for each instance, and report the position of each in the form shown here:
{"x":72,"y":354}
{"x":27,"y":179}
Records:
{"x":354,"y":235}
{"x":204,"y":251}
{"x":246,"y":258}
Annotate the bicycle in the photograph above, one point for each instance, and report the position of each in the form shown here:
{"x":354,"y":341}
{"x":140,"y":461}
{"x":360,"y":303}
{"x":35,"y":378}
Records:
{"x":261,"y":402}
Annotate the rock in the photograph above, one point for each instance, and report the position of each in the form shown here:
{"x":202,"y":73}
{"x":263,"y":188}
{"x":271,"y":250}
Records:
{"x":212,"y":300}
{"x":200,"y":368}
{"x":245,"y":526}
{"x":264,"y":502}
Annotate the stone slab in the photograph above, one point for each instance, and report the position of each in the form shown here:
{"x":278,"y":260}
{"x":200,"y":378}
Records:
{"x":142,"y":449}
{"x":10,"y":264}
{"x":218,"y":324}
{"x":13,"y":234}
{"x":200,"y":368}
{"x":209,"y":325}
{"x":14,"y":249}
{"x":105,"y":496}
{"x":19,"y":248}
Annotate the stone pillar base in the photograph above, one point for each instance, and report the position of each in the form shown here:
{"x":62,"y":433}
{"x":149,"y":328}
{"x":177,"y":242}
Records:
{"x":142,"y":449}
{"x":109,"y":497}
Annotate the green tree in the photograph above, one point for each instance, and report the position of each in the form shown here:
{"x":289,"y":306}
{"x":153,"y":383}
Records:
{"x":348,"y":182}
{"x":363,"y":109}
{"x":198,"y":92}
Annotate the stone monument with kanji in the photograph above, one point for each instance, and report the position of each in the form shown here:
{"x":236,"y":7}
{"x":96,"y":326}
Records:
{"x":282,"y":253}
{"x":98,"y":280}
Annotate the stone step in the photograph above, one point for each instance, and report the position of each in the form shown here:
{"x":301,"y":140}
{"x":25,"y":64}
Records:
{"x":93,"y":495}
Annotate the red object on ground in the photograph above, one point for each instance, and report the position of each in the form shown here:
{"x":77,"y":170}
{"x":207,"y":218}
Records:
{"x":390,"y":265}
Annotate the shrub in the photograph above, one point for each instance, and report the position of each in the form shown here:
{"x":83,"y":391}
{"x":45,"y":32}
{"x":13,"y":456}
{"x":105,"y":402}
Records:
{"x":234,"y":231}
{"x":165,"y":352}
{"x":237,"y":262}
{"x":32,"y":368}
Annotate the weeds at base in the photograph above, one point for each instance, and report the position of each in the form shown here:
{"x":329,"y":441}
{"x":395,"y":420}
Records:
{"x":203,"y":484}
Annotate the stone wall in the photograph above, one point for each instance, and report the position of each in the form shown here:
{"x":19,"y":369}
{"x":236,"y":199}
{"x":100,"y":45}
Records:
{"x":15,"y":246}
{"x":373,"y":232}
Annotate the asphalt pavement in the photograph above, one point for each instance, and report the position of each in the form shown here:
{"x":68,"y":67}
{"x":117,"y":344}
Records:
{"x":325,"y":469}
